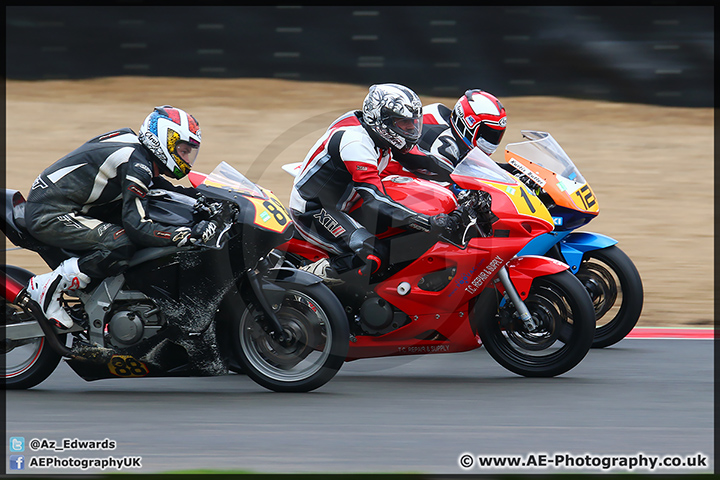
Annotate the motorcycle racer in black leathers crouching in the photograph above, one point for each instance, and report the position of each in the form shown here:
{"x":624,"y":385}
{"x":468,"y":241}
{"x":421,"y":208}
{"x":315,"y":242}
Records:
{"x":94,"y":200}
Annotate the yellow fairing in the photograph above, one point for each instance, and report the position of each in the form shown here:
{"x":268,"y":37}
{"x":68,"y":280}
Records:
{"x":524,"y":201}
{"x":270,"y":213}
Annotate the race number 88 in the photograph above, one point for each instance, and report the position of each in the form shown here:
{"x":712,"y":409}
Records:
{"x":127,"y":366}
{"x":275,"y":212}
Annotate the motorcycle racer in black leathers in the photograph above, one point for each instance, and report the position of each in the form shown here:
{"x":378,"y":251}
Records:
{"x":94,"y":200}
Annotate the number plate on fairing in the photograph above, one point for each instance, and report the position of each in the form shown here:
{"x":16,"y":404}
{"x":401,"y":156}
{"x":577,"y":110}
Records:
{"x":526,"y":202}
{"x":270,"y":213}
{"x":127,"y":366}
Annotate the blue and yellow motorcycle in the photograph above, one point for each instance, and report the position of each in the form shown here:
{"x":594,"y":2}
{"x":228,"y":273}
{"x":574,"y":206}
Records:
{"x":608,"y":274}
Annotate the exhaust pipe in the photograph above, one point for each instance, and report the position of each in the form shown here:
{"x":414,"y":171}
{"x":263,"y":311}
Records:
{"x":12,"y":287}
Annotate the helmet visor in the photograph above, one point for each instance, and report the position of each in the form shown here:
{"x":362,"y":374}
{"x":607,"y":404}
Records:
{"x":407,"y":127}
{"x":187,"y":152}
{"x":489,"y":134}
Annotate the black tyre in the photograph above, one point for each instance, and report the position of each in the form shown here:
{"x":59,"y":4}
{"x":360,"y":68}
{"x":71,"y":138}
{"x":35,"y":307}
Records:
{"x":561,"y":307}
{"x":616,"y":289}
{"x":30,"y":361}
{"x":318,"y":327}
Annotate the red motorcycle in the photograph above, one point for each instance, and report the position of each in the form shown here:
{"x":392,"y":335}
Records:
{"x":466,"y":289}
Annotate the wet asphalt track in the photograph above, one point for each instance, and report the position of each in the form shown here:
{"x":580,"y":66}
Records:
{"x":412,"y":414}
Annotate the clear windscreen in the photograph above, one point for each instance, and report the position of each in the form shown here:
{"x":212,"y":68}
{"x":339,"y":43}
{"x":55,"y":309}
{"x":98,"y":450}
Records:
{"x":542,"y":149}
{"x":478,"y":165}
{"x":226,"y":176}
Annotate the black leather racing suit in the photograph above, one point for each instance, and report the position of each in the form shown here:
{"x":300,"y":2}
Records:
{"x":94,"y":201}
{"x":438,"y":137}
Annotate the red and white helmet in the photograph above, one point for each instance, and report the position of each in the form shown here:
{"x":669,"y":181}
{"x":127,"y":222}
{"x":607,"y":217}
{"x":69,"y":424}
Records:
{"x":173,"y":136}
{"x":480,"y":120}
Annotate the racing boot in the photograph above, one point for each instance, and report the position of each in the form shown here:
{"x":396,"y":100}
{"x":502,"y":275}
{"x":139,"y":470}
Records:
{"x":324,"y":270}
{"x":47,"y":289}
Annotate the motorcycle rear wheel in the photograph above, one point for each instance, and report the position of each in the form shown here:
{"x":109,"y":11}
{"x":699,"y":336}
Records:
{"x":616,"y":290}
{"x":26,"y":362}
{"x":564,"y":312}
{"x":318,"y":327}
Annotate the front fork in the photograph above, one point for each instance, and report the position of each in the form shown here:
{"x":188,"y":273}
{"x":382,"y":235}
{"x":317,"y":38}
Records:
{"x":530,"y":324}
{"x":275,"y":329}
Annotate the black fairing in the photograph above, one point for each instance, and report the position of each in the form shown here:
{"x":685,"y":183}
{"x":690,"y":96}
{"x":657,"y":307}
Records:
{"x":190,"y":282}
{"x":256,"y":241}
{"x":572,"y":219}
{"x":9,"y":226}
{"x":247,"y":243}
{"x":170,"y":208}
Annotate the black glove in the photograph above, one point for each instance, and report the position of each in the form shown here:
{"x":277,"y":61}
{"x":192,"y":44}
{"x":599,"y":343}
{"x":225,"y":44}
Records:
{"x":182,"y":236}
{"x":449,"y":225}
{"x":459,"y":217}
{"x":529,"y":183}
{"x":484,"y":204}
{"x":205,"y":232}
{"x":441,"y":224}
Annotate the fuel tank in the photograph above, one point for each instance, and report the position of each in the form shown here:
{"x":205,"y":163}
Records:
{"x":422,"y":196}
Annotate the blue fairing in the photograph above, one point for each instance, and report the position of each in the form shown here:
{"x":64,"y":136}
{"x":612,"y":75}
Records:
{"x":573,"y":245}
{"x":541,"y":244}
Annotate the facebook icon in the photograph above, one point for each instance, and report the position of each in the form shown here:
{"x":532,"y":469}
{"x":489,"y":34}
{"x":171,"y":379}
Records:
{"x":17,"y":462}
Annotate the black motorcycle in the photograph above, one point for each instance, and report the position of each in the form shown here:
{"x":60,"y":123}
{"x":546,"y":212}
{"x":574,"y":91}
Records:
{"x":196,"y":310}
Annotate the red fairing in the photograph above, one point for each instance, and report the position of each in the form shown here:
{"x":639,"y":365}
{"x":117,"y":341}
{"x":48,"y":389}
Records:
{"x":304,"y":249}
{"x":12,"y":287}
{"x":524,"y":269}
{"x":420,"y":195}
{"x":196,"y":178}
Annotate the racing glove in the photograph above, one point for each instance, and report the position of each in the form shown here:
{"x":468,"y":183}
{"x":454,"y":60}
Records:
{"x":448,"y":224}
{"x":205,"y":232}
{"x":182,"y":236}
{"x":439,"y":223}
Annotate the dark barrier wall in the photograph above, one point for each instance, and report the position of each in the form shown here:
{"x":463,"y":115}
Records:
{"x":652,"y":54}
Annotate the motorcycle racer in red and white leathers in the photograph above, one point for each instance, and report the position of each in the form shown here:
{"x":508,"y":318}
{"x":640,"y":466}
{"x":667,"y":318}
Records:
{"x":346,"y":166}
{"x":478,"y":119}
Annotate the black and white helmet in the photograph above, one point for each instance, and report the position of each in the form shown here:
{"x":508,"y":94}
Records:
{"x":394,"y":112}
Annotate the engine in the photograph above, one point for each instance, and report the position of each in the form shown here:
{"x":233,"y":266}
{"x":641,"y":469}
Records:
{"x":377,"y":317}
{"x":129,"y":324}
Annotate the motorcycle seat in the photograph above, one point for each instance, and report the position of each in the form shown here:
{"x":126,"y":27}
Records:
{"x":15,"y":209}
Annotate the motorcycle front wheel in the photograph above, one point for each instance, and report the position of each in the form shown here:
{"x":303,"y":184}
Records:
{"x":564,"y":314}
{"x":315,"y":323}
{"x":616,"y":289}
{"x":29,"y":361}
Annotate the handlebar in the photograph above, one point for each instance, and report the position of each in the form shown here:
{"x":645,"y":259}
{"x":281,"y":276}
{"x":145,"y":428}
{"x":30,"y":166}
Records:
{"x":474,"y":212}
{"x":223,"y":213}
